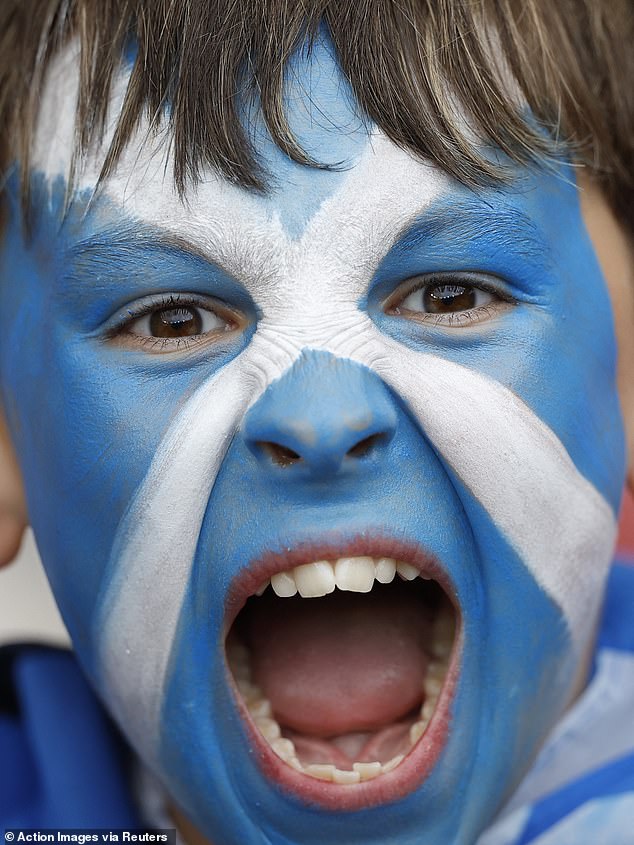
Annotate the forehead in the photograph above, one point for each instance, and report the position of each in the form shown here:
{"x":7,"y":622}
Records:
{"x":370,"y":194}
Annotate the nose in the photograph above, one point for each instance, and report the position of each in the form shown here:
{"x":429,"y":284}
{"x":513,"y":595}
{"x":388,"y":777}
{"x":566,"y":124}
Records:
{"x":324,"y":415}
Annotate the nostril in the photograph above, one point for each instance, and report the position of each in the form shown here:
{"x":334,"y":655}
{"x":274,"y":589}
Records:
{"x":365,"y":446}
{"x":280,"y":455}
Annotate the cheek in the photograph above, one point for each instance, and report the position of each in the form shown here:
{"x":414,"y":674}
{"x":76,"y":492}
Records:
{"x":85,"y":444}
{"x":87,"y":422}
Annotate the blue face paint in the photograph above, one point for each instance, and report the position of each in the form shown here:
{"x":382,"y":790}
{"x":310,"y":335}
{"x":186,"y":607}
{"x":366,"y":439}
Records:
{"x":317,"y":368}
{"x":518,"y":237}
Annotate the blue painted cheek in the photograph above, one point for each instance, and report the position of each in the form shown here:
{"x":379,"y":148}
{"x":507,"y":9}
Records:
{"x":514,"y":673}
{"x":556,"y":347}
{"x":88,"y":419}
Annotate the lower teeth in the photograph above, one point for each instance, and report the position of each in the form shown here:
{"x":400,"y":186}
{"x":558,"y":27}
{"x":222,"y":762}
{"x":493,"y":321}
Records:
{"x":262,"y":714}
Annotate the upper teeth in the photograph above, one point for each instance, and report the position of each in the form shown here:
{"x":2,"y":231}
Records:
{"x":355,"y":574}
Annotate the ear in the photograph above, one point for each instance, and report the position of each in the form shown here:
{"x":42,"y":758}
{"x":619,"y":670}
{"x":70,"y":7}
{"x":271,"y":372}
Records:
{"x":13,"y":519}
{"x":615,"y":252}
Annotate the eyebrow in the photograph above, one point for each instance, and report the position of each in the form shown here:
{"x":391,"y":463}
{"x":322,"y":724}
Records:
{"x":130,"y":238}
{"x":507,"y":228}
{"x":131,"y":253}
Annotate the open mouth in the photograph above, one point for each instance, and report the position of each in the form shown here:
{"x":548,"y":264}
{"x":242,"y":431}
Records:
{"x":344,"y":668}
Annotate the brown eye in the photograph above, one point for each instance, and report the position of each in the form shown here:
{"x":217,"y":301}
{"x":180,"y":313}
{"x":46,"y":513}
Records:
{"x":451,"y":301}
{"x":447,"y":299}
{"x":176,"y":322}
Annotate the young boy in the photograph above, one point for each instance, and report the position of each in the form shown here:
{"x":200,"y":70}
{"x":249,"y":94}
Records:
{"x":318,"y":369}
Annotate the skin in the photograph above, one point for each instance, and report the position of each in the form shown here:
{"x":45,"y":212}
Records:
{"x":556,"y":663}
{"x":613,"y":249}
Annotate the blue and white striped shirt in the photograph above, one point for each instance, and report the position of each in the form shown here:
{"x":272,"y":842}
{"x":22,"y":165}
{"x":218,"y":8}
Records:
{"x":580,"y":791}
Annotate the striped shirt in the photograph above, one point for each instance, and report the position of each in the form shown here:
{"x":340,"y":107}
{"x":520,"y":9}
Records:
{"x":580,"y":791}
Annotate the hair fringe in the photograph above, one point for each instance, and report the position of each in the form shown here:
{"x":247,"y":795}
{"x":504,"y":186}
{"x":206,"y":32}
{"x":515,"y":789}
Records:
{"x":415,"y":67}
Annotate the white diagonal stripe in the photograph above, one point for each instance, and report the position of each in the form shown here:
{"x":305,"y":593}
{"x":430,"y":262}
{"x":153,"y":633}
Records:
{"x":155,"y":546}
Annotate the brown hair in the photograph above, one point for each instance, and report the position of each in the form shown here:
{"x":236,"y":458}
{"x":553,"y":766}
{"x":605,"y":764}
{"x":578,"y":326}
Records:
{"x":572,"y":60}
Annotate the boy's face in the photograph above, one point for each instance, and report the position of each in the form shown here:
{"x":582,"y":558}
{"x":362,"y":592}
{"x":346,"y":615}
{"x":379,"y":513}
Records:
{"x":366,"y":367}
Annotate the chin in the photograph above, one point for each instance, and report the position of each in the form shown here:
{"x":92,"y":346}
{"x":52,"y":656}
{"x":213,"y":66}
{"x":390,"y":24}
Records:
{"x":361,"y":692}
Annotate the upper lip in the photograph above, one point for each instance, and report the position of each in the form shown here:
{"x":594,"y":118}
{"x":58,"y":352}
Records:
{"x":248,"y":580}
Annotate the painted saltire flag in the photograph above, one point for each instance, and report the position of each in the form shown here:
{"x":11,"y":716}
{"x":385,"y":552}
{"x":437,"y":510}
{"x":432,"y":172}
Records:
{"x":580,"y":790}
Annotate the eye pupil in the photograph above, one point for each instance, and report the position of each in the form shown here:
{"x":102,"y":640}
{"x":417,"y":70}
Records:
{"x":176,"y":322}
{"x":440,"y":299}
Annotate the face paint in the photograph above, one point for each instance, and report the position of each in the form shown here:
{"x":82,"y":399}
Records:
{"x":492,"y":454}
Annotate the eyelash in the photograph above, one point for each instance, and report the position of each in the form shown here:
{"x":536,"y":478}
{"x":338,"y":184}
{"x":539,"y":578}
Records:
{"x":459,"y":319}
{"x":166,"y":302}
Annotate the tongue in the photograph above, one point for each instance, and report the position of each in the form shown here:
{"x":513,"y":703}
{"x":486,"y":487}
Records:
{"x":346,"y":662}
